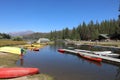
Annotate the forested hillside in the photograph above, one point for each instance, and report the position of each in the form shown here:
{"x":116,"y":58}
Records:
{"x":88,"y":31}
{"x":83,"y":31}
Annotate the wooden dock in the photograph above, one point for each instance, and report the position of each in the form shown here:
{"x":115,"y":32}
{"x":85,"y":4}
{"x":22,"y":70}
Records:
{"x":105,"y":58}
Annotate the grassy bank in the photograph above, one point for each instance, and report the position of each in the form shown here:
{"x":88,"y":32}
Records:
{"x":10,"y":42}
{"x":9,"y":60}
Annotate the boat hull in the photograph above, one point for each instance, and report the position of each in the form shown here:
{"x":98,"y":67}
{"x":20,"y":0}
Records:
{"x":36,"y":49}
{"x":6,"y":73}
{"x":14,"y":50}
{"x":91,"y":58}
{"x":61,"y":50}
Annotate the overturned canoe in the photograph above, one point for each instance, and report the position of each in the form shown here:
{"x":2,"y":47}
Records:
{"x":6,"y":73}
{"x":8,"y":49}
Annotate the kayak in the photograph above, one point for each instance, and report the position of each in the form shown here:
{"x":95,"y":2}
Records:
{"x":36,"y":49}
{"x":8,"y":49}
{"x":61,"y":50}
{"x":6,"y":73}
{"x":91,"y":58}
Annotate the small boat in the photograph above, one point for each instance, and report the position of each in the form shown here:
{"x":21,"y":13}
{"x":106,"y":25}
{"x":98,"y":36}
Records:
{"x":71,"y":48}
{"x":80,"y":50}
{"x":107,"y":53}
{"x":102,"y":52}
{"x":6,"y":73}
{"x":91,"y":58}
{"x":35,"y":49}
{"x":61,"y":50}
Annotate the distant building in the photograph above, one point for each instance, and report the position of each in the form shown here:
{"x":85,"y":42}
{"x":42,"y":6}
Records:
{"x":43,"y":40}
{"x":103,"y":37}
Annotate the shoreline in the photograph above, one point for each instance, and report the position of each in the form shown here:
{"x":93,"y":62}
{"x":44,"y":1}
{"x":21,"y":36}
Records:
{"x":8,"y":60}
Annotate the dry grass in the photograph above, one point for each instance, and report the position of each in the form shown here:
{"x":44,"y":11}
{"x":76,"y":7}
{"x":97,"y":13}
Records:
{"x":8,"y":59}
{"x":10,"y":42}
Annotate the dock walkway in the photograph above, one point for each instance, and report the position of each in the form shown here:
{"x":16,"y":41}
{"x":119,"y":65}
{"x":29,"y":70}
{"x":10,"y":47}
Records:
{"x":115,"y":60}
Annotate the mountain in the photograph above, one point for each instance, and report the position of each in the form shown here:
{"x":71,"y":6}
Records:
{"x":21,"y":33}
{"x":36,"y":35}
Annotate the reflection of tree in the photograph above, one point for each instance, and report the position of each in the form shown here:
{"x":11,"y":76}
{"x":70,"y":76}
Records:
{"x":118,"y":74}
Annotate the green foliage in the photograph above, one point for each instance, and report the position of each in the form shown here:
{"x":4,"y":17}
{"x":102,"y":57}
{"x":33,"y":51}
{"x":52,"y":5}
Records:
{"x":17,"y":38}
{"x":4,"y":36}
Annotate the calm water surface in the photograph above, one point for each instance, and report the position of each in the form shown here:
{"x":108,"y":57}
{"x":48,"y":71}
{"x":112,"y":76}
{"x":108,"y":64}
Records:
{"x":65,"y":66}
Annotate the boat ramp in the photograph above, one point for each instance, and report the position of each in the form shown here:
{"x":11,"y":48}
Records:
{"x":112,"y":60}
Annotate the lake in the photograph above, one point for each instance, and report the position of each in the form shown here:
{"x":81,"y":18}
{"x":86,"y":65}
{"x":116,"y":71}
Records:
{"x":65,"y":66}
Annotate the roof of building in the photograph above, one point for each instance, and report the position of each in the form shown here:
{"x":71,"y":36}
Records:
{"x":104,"y":35}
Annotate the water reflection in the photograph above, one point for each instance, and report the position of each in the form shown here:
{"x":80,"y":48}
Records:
{"x":83,"y":59}
{"x":118,"y":74}
{"x":21,"y":62}
{"x":67,"y":66}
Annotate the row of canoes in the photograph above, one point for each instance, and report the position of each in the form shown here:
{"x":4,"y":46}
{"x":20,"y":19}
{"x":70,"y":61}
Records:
{"x":85,"y":56}
{"x":100,"y":53}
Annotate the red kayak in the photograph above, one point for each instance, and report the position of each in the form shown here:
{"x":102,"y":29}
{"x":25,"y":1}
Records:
{"x":91,"y":58}
{"x":61,"y":50}
{"x":36,"y":49}
{"x":6,"y":73}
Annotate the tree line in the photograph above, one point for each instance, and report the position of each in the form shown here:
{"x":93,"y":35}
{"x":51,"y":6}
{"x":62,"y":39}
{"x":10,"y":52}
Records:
{"x":4,"y":36}
{"x":83,"y":31}
{"x":7,"y":36}
{"x":88,"y":31}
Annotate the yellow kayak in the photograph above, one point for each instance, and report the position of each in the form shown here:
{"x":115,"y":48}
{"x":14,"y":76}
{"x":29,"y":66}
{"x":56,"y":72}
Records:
{"x":29,"y":46}
{"x":14,"y":50}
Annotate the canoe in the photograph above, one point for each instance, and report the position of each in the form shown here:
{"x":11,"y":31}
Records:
{"x":91,"y":61}
{"x":91,"y":58}
{"x":8,"y":49}
{"x":102,"y":52}
{"x":6,"y":73}
{"x":61,"y":50}
{"x":106,"y":53}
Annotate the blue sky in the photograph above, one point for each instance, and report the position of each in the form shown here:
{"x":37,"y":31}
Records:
{"x":47,"y":15}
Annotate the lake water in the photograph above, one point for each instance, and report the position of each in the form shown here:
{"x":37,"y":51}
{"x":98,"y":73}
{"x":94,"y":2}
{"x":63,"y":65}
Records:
{"x":65,"y":66}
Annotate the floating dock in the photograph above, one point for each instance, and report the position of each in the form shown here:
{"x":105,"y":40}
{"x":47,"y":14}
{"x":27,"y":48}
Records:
{"x":105,"y":58}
